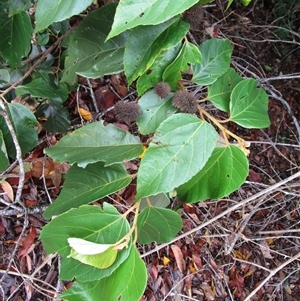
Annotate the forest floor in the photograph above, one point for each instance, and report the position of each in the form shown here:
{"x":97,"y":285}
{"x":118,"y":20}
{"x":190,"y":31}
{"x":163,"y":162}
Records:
{"x":243,"y":247}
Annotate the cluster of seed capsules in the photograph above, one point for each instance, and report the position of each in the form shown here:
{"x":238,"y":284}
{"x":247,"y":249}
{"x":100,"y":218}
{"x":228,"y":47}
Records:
{"x":129,"y":112}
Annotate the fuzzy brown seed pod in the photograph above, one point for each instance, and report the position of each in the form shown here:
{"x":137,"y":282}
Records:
{"x":127,"y":112}
{"x":162,"y":89}
{"x":194,"y":16}
{"x":185,"y":102}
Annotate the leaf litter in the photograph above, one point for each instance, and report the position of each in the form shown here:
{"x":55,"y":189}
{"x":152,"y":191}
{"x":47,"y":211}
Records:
{"x":228,"y":258}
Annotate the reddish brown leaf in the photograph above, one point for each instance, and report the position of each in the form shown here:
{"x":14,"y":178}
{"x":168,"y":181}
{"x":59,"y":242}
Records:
{"x":178,"y":257}
{"x":27,"y":242}
{"x":209,"y":294}
{"x":31,"y":203}
{"x":119,"y":85}
{"x":197,"y":260}
{"x":253,"y":176}
{"x":238,"y":284}
{"x":105,"y":98}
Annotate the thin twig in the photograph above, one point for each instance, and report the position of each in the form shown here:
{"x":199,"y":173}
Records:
{"x":272,"y":273}
{"x":21,"y":210}
{"x":229,"y":210}
{"x":93,"y":96}
{"x":39,"y":61}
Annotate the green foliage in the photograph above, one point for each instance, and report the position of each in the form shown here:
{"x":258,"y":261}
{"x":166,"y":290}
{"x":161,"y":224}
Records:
{"x":15,"y":33}
{"x":88,"y":54}
{"x":25,"y":125}
{"x":96,"y":142}
{"x":194,"y":155}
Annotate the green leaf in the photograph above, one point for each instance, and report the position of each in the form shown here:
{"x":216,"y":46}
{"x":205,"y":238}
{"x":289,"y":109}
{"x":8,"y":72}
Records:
{"x":145,"y":43}
{"x":130,"y":277}
{"x":95,"y":142}
{"x":189,"y":54}
{"x":4,"y":162}
{"x":159,"y":200}
{"x":229,"y":4}
{"x":15,"y":33}
{"x":100,"y":256}
{"x":102,"y":226}
{"x":219,"y":92}
{"x":155,"y":111}
{"x":158,"y":224}
{"x":249,"y":105}
{"x":48,"y":12}
{"x":246,"y":2}
{"x":142,"y":12}
{"x":167,"y":162}
{"x":25,"y":125}
{"x":83,"y":186}
{"x":216,"y":55}
{"x":17,"y":6}
{"x":154,"y":75}
{"x":225,"y":171}
{"x":4,"y":77}
{"x":89,"y":54}
{"x":57,"y":117}
{"x":40,"y":88}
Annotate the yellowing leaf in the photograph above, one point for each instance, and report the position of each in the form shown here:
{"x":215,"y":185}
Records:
{"x":166,"y":260}
{"x":85,"y":114}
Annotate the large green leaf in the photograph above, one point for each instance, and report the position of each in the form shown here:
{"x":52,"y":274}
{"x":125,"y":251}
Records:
{"x":48,"y":12}
{"x":89,"y":54}
{"x":189,"y":54}
{"x":249,"y":105}
{"x":219,"y":92}
{"x":95,"y":142}
{"x":155,"y":74}
{"x":15,"y":33}
{"x":158,"y":224}
{"x":4,"y":162}
{"x":25,"y":125}
{"x":83,"y":186}
{"x":216,"y":54}
{"x":127,"y":283}
{"x":149,"y":12}
{"x":155,"y":111}
{"x":40,"y":88}
{"x":224,"y":172}
{"x":179,"y":149}
{"x":145,"y":43}
{"x":91,"y":223}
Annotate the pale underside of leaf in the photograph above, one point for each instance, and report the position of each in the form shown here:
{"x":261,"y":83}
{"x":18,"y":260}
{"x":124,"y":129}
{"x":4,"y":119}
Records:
{"x":86,"y":247}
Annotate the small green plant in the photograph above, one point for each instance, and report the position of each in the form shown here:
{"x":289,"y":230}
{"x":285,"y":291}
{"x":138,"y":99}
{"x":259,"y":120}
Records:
{"x":188,"y":150}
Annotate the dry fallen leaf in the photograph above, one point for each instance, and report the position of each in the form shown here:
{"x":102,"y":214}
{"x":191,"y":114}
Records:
{"x":8,"y":190}
{"x":165,"y":260}
{"x":27,"y":242}
{"x":265,"y":249}
{"x":209,"y":294}
{"x":179,"y":258}
{"x":85,"y":114}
